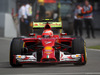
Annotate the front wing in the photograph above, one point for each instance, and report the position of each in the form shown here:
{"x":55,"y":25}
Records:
{"x":33,"y":58}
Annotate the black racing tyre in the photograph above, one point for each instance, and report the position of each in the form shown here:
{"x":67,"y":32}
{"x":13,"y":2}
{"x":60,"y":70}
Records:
{"x":57,"y":55}
{"x":39,"y":55}
{"x":79,"y":47}
{"x":15,"y":49}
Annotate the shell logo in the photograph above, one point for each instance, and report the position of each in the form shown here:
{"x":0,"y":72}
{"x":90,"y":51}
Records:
{"x":48,"y":48}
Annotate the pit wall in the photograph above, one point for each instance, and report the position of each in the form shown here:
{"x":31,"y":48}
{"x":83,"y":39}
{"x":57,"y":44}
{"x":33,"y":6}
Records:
{"x":7,"y":26}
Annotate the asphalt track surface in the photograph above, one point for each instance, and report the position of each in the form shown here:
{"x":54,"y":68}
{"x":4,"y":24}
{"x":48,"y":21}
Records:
{"x":92,"y":66}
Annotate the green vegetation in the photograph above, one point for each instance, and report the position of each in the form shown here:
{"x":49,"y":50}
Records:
{"x":94,"y":47}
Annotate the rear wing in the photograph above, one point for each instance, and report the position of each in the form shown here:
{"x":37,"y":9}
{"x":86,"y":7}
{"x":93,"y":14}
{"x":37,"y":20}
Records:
{"x":41,"y":25}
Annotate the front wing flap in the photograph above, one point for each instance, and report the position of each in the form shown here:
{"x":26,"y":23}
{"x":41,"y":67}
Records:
{"x":63,"y":58}
{"x":26,"y":58}
{"x":72,"y":57}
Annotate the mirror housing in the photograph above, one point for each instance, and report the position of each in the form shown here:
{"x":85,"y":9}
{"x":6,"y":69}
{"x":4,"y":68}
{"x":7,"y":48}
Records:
{"x":31,"y":34}
{"x":63,"y":34}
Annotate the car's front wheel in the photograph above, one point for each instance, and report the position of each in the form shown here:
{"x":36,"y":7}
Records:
{"x":15,"y":49}
{"x":79,"y":47}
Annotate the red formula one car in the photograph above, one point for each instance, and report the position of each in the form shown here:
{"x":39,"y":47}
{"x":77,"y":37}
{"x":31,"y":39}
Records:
{"x":47,"y":48}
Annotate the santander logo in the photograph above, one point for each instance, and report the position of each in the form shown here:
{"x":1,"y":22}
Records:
{"x":48,"y":42}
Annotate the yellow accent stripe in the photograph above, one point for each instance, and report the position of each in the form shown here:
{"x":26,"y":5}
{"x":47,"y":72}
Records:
{"x":23,"y":44}
{"x":85,"y":51}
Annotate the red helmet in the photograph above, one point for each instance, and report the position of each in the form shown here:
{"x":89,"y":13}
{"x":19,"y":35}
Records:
{"x":47,"y":33}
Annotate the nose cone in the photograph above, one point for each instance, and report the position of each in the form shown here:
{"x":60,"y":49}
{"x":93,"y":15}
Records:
{"x":48,"y":53}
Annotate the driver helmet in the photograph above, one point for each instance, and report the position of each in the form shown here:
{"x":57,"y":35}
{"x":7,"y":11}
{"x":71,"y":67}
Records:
{"x":47,"y":33}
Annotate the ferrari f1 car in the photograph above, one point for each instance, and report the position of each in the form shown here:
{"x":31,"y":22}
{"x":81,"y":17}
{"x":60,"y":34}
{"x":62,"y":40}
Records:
{"x":47,"y":48}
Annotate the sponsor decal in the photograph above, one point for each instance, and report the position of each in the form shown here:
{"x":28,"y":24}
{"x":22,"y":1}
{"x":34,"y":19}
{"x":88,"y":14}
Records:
{"x":48,"y":42}
{"x":35,"y":24}
{"x":42,"y":24}
{"x":48,"y":50}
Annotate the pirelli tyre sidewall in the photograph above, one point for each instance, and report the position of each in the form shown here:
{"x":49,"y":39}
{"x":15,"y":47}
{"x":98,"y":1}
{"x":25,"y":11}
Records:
{"x":15,"y":49}
{"x":79,"y":47}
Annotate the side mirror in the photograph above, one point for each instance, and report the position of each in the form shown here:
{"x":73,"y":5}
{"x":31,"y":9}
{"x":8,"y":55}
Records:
{"x":31,"y":34}
{"x":63,"y":34}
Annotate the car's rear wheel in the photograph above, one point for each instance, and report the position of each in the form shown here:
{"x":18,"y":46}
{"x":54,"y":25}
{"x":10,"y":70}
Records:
{"x":79,"y":47}
{"x":15,"y":49}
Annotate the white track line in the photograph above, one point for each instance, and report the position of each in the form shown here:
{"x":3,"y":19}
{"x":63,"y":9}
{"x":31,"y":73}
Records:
{"x":5,"y":38}
{"x":94,"y":49}
{"x":87,"y":73}
{"x":68,"y":73}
